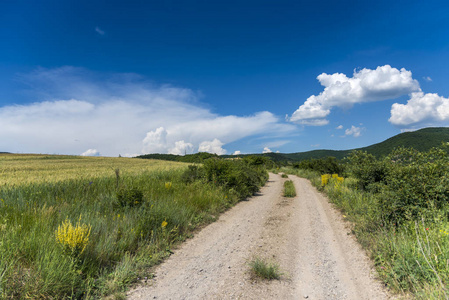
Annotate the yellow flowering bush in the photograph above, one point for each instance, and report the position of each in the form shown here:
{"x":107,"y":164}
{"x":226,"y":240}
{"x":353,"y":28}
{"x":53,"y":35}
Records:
{"x":73,"y":239}
{"x":325,"y":179}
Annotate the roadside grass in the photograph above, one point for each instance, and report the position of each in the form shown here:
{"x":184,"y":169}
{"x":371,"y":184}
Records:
{"x":260,"y":268}
{"x":411,"y":257}
{"x":289,"y":189}
{"x":284,"y":175}
{"x":87,"y":237}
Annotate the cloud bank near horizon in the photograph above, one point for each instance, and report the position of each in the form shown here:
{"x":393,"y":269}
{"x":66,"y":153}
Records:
{"x":82,"y":112}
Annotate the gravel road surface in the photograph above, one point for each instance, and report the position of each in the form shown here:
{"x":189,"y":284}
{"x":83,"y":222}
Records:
{"x":317,"y":255}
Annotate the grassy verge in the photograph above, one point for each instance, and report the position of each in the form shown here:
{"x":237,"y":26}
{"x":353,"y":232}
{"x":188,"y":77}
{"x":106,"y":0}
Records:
{"x":289,"y":189}
{"x":411,"y":257}
{"x":89,"y":237}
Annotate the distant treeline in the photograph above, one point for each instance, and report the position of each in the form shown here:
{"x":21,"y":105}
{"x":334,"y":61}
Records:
{"x":189,"y":158}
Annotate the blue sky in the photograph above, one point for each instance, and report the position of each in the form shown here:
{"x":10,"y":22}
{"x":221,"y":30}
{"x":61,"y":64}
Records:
{"x":133,"y":77}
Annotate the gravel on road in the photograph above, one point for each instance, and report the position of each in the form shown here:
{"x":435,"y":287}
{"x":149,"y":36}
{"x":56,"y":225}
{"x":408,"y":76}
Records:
{"x":318,"y":256}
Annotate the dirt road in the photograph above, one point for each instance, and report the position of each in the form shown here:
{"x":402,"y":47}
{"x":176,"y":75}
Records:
{"x":304,"y":235}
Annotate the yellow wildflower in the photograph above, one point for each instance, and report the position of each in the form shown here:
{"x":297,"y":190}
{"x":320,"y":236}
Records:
{"x":164,"y":224}
{"x":73,"y":239}
{"x":325,"y":179}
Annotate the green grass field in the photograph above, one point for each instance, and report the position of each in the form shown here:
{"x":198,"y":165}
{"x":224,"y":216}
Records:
{"x":76,"y":227}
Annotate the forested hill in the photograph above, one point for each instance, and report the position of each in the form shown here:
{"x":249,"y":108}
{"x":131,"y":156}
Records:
{"x":421,"y":140}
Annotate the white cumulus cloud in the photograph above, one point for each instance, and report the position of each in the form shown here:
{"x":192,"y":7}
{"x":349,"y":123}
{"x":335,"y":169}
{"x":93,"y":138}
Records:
{"x":155,"y":141}
{"x":266,"y":150}
{"x":354,"y":131}
{"x":212,"y":147}
{"x":74,"y":109}
{"x":91,"y":152}
{"x":237,"y":152}
{"x":366,"y":85}
{"x":421,"y":110}
{"x":181,"y":148}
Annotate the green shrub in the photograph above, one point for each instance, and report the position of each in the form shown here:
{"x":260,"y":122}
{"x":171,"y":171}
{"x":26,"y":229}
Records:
{"x":289,"y":189}
{"x":129,"y":197}
{"x":284,"y":175}
{"x":370,"y":172}
{"x":235,"y":175}
{"x":259,"y":161}
{"x":417,"y":184}
{"x":328,"y":165}
{"x":193,"y":173}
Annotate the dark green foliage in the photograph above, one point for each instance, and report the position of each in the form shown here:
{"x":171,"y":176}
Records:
{"x":328,"y":165}
{"x":369,"y":171}
{"x":259,"y":161}
{"x":129,"y":197}
{"x":418,"y":184}
{"x":409,"y":183}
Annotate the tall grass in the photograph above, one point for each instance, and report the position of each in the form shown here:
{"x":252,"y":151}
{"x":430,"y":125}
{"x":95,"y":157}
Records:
{"x":123,"y":240}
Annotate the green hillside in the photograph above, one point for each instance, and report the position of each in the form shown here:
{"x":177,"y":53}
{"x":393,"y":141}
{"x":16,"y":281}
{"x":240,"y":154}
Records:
{"x":421,"y":140}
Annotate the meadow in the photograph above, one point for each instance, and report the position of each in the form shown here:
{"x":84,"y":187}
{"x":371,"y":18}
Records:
{"x":85,"y":228}
{"x":18,"y":169}
{"x":398,"y":209}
